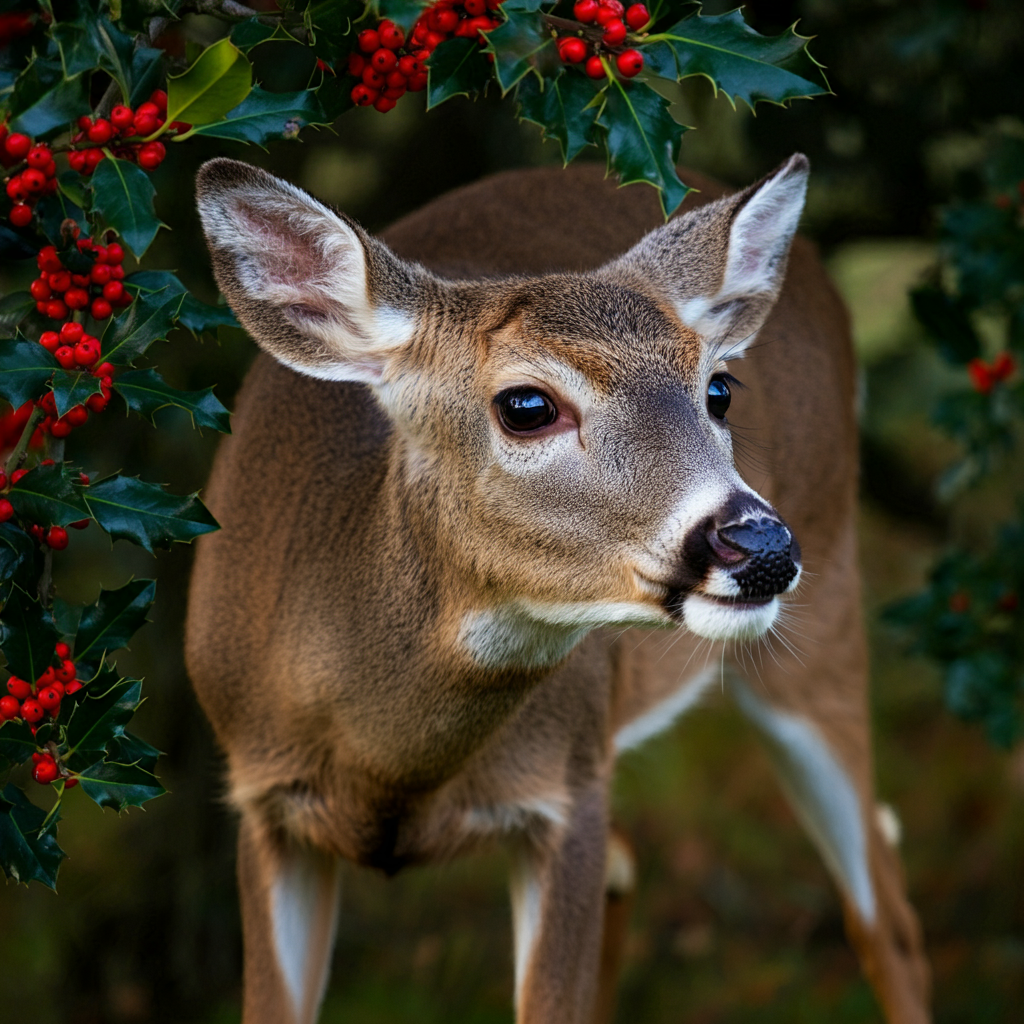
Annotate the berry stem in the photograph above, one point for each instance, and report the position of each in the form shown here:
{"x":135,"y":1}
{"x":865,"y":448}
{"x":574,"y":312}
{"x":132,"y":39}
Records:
{"x":54,"y":809}
{"x":17,"y":457}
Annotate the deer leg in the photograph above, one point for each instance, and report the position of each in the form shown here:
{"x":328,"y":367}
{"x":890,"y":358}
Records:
{"x":619,"y":888}
{"x":836,"y":806}
{"x":557,"y":888}
{"x":289,"y":897}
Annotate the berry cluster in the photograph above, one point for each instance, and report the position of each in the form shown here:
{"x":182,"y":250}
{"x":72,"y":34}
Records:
{"x":12,"y":424}
{"x":56,"y":537}
{"x":615,"y":21}
{"x":388,"y":66}
{"x":57,"y":290}
{"x":74,"y":349}
{"x":984,"y":376}
{"x":32,"y":701}
{"x":37,"y":178}
{"x":123,"y":134}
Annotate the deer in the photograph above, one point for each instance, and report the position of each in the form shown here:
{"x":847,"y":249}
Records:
{"x":479,"y":463}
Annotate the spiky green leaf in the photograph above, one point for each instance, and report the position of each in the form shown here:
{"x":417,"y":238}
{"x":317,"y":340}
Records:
{"x":25,"y":369}
{"x":123,"y":196}
{"x":26,"y":853}
{"x":146,"y":392}
{"x":50,"y":496}
{"x":113,"y":620}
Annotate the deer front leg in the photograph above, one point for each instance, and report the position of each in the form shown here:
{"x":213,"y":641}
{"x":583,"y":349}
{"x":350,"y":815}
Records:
{"x":558,"y":895}
{"x":289,"y":897}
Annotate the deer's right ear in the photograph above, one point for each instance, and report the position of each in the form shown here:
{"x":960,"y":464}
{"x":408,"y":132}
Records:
{"x":314,"y":289}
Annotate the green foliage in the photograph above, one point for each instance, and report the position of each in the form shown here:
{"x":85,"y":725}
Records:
{"x":969,"y":619}
{"x":80,"y":62}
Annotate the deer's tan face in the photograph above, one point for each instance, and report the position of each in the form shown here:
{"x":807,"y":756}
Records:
{"x":564,"y":438}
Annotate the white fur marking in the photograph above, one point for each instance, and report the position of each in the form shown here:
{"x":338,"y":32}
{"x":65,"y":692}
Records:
{"x":822,"y":795}
{"x":721,"y":583}
{"x":527,"y":899}
{"x":889,"y":824}
{"x":297,"y":899}
{"x":520,"y":815}
{"x":662,"y":715}
{"x":716,"y":621}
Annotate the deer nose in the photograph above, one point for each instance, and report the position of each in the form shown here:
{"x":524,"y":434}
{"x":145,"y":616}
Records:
{"x":764,"y":554}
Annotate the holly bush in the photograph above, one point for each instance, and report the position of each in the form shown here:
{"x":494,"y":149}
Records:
{"x":96,"y":95}
{"x":970,"y":617}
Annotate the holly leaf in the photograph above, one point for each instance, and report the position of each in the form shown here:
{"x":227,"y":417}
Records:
{"x":519,"y":44}
{"x":456,"y":68}
{"x":146,"y":391}
{"x":562,"y":107}
{"x":73,"y":387}
{"x":89,"y":41}
{"x":197,"y":316}
{"x":26,"y":853}
{"x":329,"y":24}
{"x":49,"y":495}
{"x":66,"y":618}
{"x":17,"y":744}
{"x":102,"y":717}
{"x":401,"y":12}
{"x":252,"y":32}
{"x":216,"y":83}
{"x":744,"y":64}
{"x":17,"y":558}
{"x":148,"y":318}
{"x":947,"y":319}
{"x":53,"y":210}
{"x":27,"y":636}
{"x":643,"y":140}
{"x":119,"y":785}
{"x":146,"y":514}
{"x":25,"y":370}
{"x":14,"y":307}
{"x":123,"y":197}
{"x":114,"y":619}
{"x":129,"y":749}
{"x":263,"y":116}
{"x":44,"y":100}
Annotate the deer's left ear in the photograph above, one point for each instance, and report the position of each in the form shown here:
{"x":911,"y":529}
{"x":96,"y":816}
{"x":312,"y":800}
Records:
{"x":723,"y":264}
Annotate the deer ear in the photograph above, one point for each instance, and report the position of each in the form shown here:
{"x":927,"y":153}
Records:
{"x":311,"y":287}
{"x":723,"y":264}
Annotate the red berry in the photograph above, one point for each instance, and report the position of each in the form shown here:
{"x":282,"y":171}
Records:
{"x":362,"y":96}
{"x":76,"y":160}
{"x":115,"y":254}
{"x":70,"y":783}
{"x":39,"y":157}
{"x":49,"y":698}
{"x":61,"y":280}
{"x":16,"y":190}
{"x":50,"y":340}
{"x":390,"y":35}
{"x":407,"y":65}
{"x":384,"y":61}
{"x":67,"y":670}
{"x":32,"y":710}
{"x":81,"y":524}
{"x":18,"y":688}
{"x":383,"y":104}
{"x":372,"y":77}
{"x":442,"y":20}
{"x":572,"y":49}
{"x":615,"y":32}
{"x":637,"y":16}
{"x":87,"y":351}
{"x":18,"y":145}
{"x":585,"y":10}
{"x":101,"y":309}
{"x":594,"y":68}
{"x":17,"y":475}
{"x":159,"y":99}
{"x":152,"y":155}
{"x":76,"y":298}
{"x":101,"y":132}
{"x":63,"y":652}
{"x":9,"y":707}
{"x":33,"y":180}
{"x":20,"y":215}
{"x":71,"y":333}
{"x":47,"y":260}
{"x":475,"y":8}
{"x":85,"y":122}
{"x":40,"y":290}
{"x":356,"y":63}
{"x":145,"y":124}
{"x":65,"y":355}
{"x":56,"y":310}
{"x":57,"y":538}
{"x":630,"y":63}
{"x":121,"y":117}
{"x":48,"y":403}
{"x":46,"y":771}
{"x":77,"y":416}
{"x":73,"y":687}
{"x":100,"y":273}
{"x":368,"y":41}
{"x":61,"y":428}
{"x":82,"y":280}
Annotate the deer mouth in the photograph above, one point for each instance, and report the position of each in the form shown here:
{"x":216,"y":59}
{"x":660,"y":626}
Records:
{"x":723,"y":618}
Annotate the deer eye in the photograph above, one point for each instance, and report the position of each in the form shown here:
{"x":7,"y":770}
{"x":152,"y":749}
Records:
{"x":524,"y":409}
{"x":719,"y":397}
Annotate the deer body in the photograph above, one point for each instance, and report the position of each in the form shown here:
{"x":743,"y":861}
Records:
{"x":423,"y":630}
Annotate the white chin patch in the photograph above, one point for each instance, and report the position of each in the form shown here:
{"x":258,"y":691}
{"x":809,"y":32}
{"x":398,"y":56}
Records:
{"x":720,"y":620}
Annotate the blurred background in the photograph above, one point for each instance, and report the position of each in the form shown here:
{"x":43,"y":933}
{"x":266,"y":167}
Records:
{"x":735,"y":919}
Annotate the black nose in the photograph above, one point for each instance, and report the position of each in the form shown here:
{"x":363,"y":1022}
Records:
{"x":765,"y":551}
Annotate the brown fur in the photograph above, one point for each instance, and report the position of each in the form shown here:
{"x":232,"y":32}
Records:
{"x":323,"y":618}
